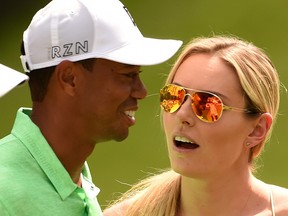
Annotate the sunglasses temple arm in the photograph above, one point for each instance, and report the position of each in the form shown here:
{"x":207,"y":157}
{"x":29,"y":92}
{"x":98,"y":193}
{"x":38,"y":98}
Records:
{"x":225,"y":107}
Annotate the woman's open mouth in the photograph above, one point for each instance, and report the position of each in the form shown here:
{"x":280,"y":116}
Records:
{"x":184,"y":143}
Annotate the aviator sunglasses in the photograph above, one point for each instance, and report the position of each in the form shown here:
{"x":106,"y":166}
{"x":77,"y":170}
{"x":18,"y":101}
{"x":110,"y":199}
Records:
{"x":208,"y":107}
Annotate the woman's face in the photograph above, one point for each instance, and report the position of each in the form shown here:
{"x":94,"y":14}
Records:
{"x":199,"y":149}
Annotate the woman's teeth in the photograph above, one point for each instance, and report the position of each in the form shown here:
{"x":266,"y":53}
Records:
{"x":182,"y":139}
{"x":184,"y":143}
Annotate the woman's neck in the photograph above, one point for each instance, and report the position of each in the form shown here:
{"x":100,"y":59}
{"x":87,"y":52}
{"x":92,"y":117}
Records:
{"x":222,"y":196}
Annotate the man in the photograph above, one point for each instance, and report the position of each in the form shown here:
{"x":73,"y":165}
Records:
{"x":83,"y":58}
{"x":9,"y":79}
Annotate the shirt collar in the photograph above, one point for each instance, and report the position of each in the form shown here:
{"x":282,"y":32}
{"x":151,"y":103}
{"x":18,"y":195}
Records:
{"x":89,"y":188}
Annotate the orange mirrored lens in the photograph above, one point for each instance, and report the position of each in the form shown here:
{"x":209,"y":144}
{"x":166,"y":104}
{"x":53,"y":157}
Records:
{"x":171,"y":98}
{"x":206,"y":106}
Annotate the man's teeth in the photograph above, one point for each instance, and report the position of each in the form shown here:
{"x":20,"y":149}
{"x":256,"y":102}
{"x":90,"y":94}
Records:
{"x":182,"y":139}
{"x":130,"y":114}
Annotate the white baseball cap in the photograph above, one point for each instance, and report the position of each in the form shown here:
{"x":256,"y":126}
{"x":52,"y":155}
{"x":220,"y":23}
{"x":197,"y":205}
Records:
{"x":80,"y":29}
{"x":9,"y":78}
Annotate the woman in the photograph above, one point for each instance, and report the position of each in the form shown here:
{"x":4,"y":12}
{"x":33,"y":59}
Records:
{"x":220,"y":102}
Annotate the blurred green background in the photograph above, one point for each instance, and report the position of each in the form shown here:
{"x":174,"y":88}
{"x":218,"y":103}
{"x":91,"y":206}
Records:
{"x":116,"y":165}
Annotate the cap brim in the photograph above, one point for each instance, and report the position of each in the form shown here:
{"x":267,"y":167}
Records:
{"x":145,"y":51}
{"x":9,"y":78}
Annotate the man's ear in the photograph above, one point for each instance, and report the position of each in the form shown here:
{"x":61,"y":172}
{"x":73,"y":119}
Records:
{"x":260,"y":130}
{"x":67,"y":76}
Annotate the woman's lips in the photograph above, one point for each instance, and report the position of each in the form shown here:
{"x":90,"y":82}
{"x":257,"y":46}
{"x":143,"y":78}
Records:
{"x":184,"y":143}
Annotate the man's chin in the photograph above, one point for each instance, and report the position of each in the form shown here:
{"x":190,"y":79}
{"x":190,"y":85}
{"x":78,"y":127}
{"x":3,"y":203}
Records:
{"x":121,"y":135}
{"x":121,"y":138}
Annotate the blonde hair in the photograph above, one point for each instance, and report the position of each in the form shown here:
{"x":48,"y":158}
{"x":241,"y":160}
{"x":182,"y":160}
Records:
{"x":159,"y":195}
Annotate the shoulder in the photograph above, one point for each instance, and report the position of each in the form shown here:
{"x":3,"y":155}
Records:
{"x":117,"y":209}
{"x":280,"y":200}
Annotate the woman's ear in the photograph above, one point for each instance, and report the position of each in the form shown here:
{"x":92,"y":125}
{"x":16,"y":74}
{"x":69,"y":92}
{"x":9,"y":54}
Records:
{"x":260,"y":130}
{"x":67,"y":76}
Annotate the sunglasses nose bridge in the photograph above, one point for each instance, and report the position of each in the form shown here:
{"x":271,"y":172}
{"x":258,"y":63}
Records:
{"x":185,"y":113}
{"x":186,"y":96}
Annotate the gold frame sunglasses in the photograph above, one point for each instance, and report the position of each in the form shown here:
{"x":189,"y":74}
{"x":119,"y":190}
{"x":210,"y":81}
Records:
{"x":207,"y":106}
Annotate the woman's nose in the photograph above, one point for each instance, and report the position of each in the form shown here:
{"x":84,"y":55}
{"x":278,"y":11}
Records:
{"x":185,"y":113}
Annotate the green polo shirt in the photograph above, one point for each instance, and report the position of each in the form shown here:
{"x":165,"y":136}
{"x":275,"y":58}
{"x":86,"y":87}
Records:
{"x":34,"y":182}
